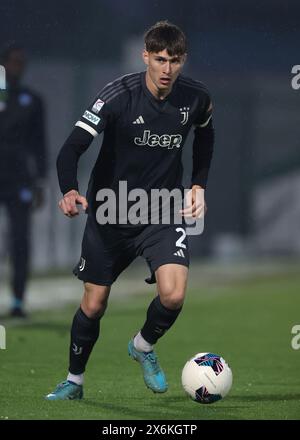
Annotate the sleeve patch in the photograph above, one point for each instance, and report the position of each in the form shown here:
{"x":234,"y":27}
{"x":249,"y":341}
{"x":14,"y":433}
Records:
{"x":97,"y":106}
{"x":90,"y":117}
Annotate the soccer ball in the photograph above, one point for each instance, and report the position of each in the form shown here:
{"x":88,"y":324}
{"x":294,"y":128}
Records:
{"x":206,"y":377}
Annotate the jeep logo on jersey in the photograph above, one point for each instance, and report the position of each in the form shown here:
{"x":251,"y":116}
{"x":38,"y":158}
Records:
{"x":165,"y":140}
{"x":90,"y":117}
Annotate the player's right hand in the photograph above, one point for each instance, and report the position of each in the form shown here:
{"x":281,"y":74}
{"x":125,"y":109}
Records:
{"x":69,"y":201}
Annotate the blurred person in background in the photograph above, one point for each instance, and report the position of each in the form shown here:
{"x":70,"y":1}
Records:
{"x":22,"y":166}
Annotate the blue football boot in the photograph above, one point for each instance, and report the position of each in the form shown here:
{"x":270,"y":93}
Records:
{"x":66,"y":391}
{"x":154,"y":376}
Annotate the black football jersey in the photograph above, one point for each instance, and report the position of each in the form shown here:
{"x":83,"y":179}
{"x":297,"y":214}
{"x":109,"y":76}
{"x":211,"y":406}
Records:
{"x":143,"y":136}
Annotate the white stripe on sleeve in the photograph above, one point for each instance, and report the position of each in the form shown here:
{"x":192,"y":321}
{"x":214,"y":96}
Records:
{"x":87,"y":128}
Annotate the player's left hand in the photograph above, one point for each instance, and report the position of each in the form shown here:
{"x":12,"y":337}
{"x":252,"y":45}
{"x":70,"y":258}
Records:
{"x":195,"y":205}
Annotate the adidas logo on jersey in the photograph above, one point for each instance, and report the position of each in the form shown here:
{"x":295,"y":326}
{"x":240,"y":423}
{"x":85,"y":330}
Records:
{"x":179,"y":253}
{"x":139,"y":120}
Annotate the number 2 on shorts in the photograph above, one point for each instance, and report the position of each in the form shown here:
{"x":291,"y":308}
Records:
{"x":181,"y":238}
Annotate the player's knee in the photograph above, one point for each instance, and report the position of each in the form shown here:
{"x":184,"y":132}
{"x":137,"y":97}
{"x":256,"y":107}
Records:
{"x":94,"y":301}
{"x":94,"y":308}
{"x":172,"y":298}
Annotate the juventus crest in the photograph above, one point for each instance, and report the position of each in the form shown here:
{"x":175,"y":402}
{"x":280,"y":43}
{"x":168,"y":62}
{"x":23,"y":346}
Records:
{"x":185,"y":114}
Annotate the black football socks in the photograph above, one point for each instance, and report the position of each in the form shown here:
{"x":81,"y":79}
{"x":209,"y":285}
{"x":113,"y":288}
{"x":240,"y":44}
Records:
{"x":84,"y":334}
{"x":159,"y":320}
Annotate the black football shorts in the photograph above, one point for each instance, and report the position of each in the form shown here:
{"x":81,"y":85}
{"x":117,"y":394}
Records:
{"x":108,"y":249}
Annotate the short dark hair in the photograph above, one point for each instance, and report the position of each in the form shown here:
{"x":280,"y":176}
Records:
{"x":165,"y":35}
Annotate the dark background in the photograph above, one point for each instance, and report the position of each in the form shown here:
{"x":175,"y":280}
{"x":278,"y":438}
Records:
{"x":243,"y":51}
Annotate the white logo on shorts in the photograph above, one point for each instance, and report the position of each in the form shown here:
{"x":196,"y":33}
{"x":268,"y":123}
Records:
{"x":179,"y":253}
{"x":82,"y":264}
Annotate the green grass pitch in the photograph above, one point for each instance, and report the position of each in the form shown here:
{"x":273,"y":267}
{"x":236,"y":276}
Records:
{"x":247,"y":322}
